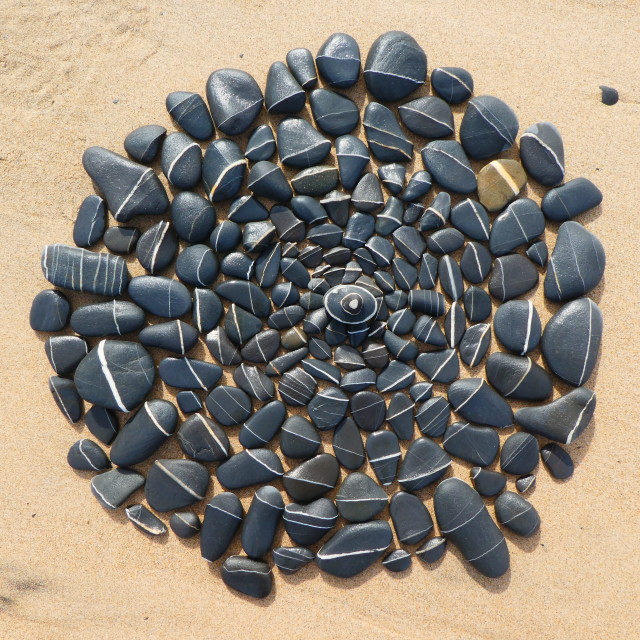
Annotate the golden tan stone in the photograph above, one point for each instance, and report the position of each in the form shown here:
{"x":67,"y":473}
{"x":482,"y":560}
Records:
{"x":500,"y":182}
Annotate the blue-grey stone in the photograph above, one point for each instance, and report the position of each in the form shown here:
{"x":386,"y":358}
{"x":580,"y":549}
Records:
{"x":191,"y":113}
{"x":453,"y":84}
{"x":90,"y":222}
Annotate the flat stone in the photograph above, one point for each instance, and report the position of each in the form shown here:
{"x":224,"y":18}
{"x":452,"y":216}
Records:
{"x":336,"y":204}
{"x":102,"y":423}
{"x":129,"y":189}
{"x":181,"y":160}
{"x":450,"y":275}
{"x":185,"y":524}
{"x":432,"y":416}
{"x":570,"y":200}
{"x":191,"y":113}
{"x":486,"y":482}
{"x":261,"y":144}
{"x":517,"y":514}
{"x":512,"y":276}
{"x":143,"y":143}
{"x":188,"y":401}
{"x":176,"y":336}
{"x":354,"y":548}
{"x":385,"y":137}
{"x":420,"y":391}
{"x":322,"y":370}
{"x":367,"y":196}
{"x":112,"y":488}
{"x":368,"y":410}
{"x":476,"y":262}
{"x":427,"y":330}
{"x":327,"y":408}
{"x":338,"y":61}
{"x":428,"y":116}
{"x":283,"y":94}
{"x":347,"y":445}
{"x":257,"y":237}
{"x":90,"y":222}
{"x":113,"y":318}
{"x":449,"y":166}
{"x":262,"y":347}
{"x":294,"y":271}
{"x":418,"y":186}
{"x":284,"y":294}
{"x":542,"y":153}
{"x":518,"y":377}
{"x":249,"y":467}
{"x":312,"y":479}
{"x":395,"y":376}
{"x":520,"y":223}
{"x":392,"y":176}
{"x":538,"y":252}
{"x":609,"y":95}
{"x":261,"y":521}
{"x":251,"y":577}
{"x":229,"y":405}
{"x":291,"y":559}
{"x":401,"y":322}
{"x":296,"y":387}
{"x":332,"y":112}
{"x":246,"y":295}
{"x":453,"y":84}
{"x":411,"y":519}
{"x":283,"y":363}
{"x":306,"y":524}
{"x":471,"y":218}
{"x":65,"y":353}
{"x":444,"y":241}
{"x":464,"y":520}
{"x":222,"y":518}
{"x":475,"y":343}
{"x":353,"y":156}
{"x":299,"y":438}
{"x":519,"y":455}
{"x":424,"y":462}
{"x":439,"y":366}
{"x":428,"y":273}
{"x":86,"y":455}
{"x":157,"y":247}
{"x":577,"y":263}
{"x":476,"y":401}
{"x":517,"y":326}
{"x":360,"y":498}
{"x":303,"y":68}
{"x":383,"y":453}
{"x":477,"y":304}
{"x":526,"y":483}
{"x":203,"y":440}
{"x":361,"y":226}
{"x":300,"y":145}
{"x":120,"y":239}
{"x":221,"y":348}
{"x":266,"y":179}
{"x":477,"y":445}
{"x":500,"y":182}
{"x":286,"y":317}
{"x":197,"y":265}
{"x":397,"y":560}
{"x":557,"y":460}
{"x":145,"y":520}
{"x":432,"y":550}
{"x":562,"y":420}
{"x":437,"y":213}
{"x":223,"y":169}
{"x":225,"y":236}
{"x":160,"y":296}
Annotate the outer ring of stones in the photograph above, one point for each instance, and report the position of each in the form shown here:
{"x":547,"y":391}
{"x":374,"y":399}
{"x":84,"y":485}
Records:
{"x":349,"y":303}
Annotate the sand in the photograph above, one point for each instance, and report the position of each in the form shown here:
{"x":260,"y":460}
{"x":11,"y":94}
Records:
{"x":75,"y":74}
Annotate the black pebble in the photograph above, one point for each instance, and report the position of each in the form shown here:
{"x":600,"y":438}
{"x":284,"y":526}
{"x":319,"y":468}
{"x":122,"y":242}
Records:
{"x":518,"y":377}
{"x":112,"y":488}
{"x":453,"y":84}
{"x":261,"y":144}
{"x":185,"y":524}
{"x":143,"y":143}
{"x":447,"y":162}
{"x":229,"y":405}
{"x":432,"y":550}
{"x":557,"y":460}
{"x":249,"y":467}
{"x":338,"y":61}
{"x":291,"y":559}
{"x":347,"y":445}
{"x":86,"y":455}
{"x":306,"y":524}
{"x":90,"y":222}
{"x":397,"y":560}
{"x":65,"y":353}
{"x":113,"y":318}
{"x":517,"y":514}
{"x":334,"y":113}
{"x":157,"y":247}
{"x":477,"y":402}
{"x":176,"y":336}
{"x":190,"y":112}
{"x":282,"y":93}
{"x":302,"y":67}
{"x":102,"y":423}
{"x":424,"y":462}
{"x":571,"y":199}
{"x":251,"y":577}
{"x":203,"y":440}
{"x":181,"y":160}
{"x":517,"y":326}
{"x":609,"y":95}
{"x":486,"y":482}
{"x":145,"y":520}
{"x":512,"y":276}
{"x":174,"y":484}
{"x":121,"y":240}
{"x":222,"y":518}
{"x":519,"y":455}
{"x":411,"y":519}
{"x":477,"y":445}
{"x":312,"y":479}
{"x":383,"y":453}
{"x":261,"y":521}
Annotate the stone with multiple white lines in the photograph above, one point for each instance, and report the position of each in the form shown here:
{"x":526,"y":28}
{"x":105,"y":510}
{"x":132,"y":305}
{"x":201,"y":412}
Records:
{"x":189,"y":373}
{"x":542,"y":153}
{"x":229,"y":405}
{"x":306,"y":524}
{"x":291,"y":559}
{"x":203,"y":440}
{"x":470,"y":217}
{"x":251,"y":577}
{"x":191,"y":113}
{"x":90,"y":222}
{"x":50,"y":311}
{"x":518,"y":377}
{"x":449,"y":166}
{"x":385,"y":137}
{"x":520,"y":223}
{"x":114,"y":318}
{"x":86,"y":455}
{"x":517,"y":514}
{"x":181,"y":160}
{"x":476,"y":401}
{"x":424,"y":462}
{"x":112,"y":488}
{"x":411,"y":519}
{"x":469,"y":442}
{"x":475,"y":343}
{"x":519,"y":455}
{"x":174,"y":484}
{"x":145,"y":520}
{"x":383,"y":453}
{"x":453,"y":84}
{"x":249,"y":467}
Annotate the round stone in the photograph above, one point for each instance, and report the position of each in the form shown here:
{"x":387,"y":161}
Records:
{"x":350,"y":303}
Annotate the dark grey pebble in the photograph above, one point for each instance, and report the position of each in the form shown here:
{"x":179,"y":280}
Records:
{"x":411,"y":519}
{"x":247,"y":209}
{"x":308,"y":523}
{"x":518,"y":377}
{"x":520,"y":223}
{"x":253,"y":578}
{"x":191,"y":113}
{"x":262,"y":347}
{"x":257,"y":237}
{"x":432,"y":550}
{"x":325,"y":235}
{"x":319,"y":349}
{"x":300,"y":144}
{"x":262,"y":426}
{"x":390,"y":218}
{"x":439,"y":366}
{"x":477,"y":304}
{"x":562,"y":420}
{"x":176,"y":336}
{"x":129,"y":189}
{"x":235,"y":100}
{"x":453,"y":84}
{"x":368,"y":410}
{"x":332,"y":112}
{"x":338,"y":60}
{"x":432,"y":416}
{"x":424,"y":462}
{"x":188,"y":401}
{"x":336,"y":204}
{"x":229,"y":405}
{"x":261,"y":144}
{"x":86,"y":455}
{"x":526,"y":483}
{"x":395,"y":376}
{"x":353,"y":156}
{"x":397,"y":300}
{"x":542,"y":153}
{"x":181,"y":160}
{"x":222,"y":518}
{"x":477,"y":445}
{"x":437,"y":213}
{"x":517,"y":326}
{"x":174,"y":484}
{"x":427,"y":330}
{"x":428,"y":273}
{"x":297,"y":387}
{"x":284,"y":294}
{"x":221,"y":348}
{"x":429,"y":117}
{"x":261,"y":521}
{"x":538,"y":252}
{"x":283,"y":363}
{"x":144,"y":433}
{"x":385,"y":137}
{"x":291,"y":559}
{"x":486,"y":482}
{"x":475,"y":343}
{"x":294,"y":271}
{"x":519,"y":455}
{"x":121,"y":240}
{"x":321,"y":370}
{"x":185,"y":524}
{"x":360,"y":498}
{"x":102,"y":423}
{"x":609,"y":95}
{"x":397,"y":560}
{"x":112,"y":488}
{"x":347,"y":445}
{"x":157,"y":247}
{"x":203,"y":440}
{"x":225,"y":236}
{"x":160,"y":296}
{"x":392,"y":176}
{"x":289,"y":227}
{"x":367,"y":197}
{"x":471,"y":218}
{"x":420,"y":391}
{"x":577,"y":263}
{"x":449,"y":166}
{"x":301,"y":65}
{"x":489,"y":126}
{"x":249,"y":467}
{"x":65,"y":353}
{"x":82,"y":270}
{"x":476,"y":401}
{"x":327,"y":408}
{"x":463,"y":519}
{"x":286,"y":317}
{"x":557,"y":460}
{"x":360,"y":228}
{"x":90,"y":222}
{"x":298,"y":438}
{"x":246,"y":295}
{"x":429,"y":302}
{"x":312,"y":479}
{"x":348,"y":358}
{"x":383,"y":453}
{"x":417,"y":187}
{"x":113,"y":318}
{"x":354,"y":548}
{"x":223,"y":169}
{"x":401,"y":322}
{"x":570,"y":200}
{"x":444,"y":241}
{"x":145,"y":520}
{"x":350,"y":304}
{"x":512,"y":276}
{"x":517,"y":514}
{"x":282,"y":93}
{"x":450,"y":275}
{"x":143,"y":143}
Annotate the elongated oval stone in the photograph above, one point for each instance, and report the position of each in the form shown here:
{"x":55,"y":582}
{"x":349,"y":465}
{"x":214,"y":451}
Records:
{"x":453,"y":84}
{"x":302,"y":67}
{"x":475,"y":343}
{"x":383,"y":452}
{"x":207,"y":310}
{"x":292,"y":559}
{"x":66,"y":396}
{"x":308,"y":523}
{"x":384,"y":135}
{"x":191,"y":113}
{"x":354,"y":548}
{"x":411,"y":519}
{"x":90,"y":222}
{"x":161,"y":296}
{"x":222,"y":518}
{"x":347,"y":445}
{"x":463,"y":519}
{"x":429,"y":117}
{"x":143,"y":143}
{"x":517,"y":514}
{"x":86,"y":455}
{"x":246,"y":295}
{"x":542,"y":153}
{"x":129,"y":189}
{"x":360,"y":498}
{"x":263,"y":425}
{"x":181,"y":160}
{"x":519,"y":224}
{"x":512,"y":275}
{"x":248,"y":576}
{"x":65,"y":353}
{"x":174,"y":484}
{"x":338,"y":60}
{"x":517,"y":326}
{"x":145,"y":520}
{"x":353,"y":156}
{"x":113,"y":318}
{"x":112,"y":488}
{"x":283,"y":94}
{"x":500,"y":182}
{"x":253,"y":466}
{"x":577,"y":263}
{"x":477,"y":445}
{"x":261,"y":521}
{"x":447,"y":162}
{"x":312,"y":479}
{"x":487,"y":482}
{"x":476,"y":262}
{"x":203,"y":440}
{"x":176,"y":336}
{"x":423,"y":463}
{"x":334,"y":113}
{"x":571,"y":199}
{"x":223,"y":169}
{"x":476,"y":401}
{"x":518,"y":377}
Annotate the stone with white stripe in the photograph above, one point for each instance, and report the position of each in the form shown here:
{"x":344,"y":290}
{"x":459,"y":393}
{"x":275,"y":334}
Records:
{"x":453,"y":84}
{"x":251,"y":577}
{"x":418,"y":186}
{"x":282,"y":93}
{"x":455,"y":324}
{"x":571,"y":199}
{"x":424,"y":462}
{"x":299,"y":438}
{"x":262,"y":347}
{"x":477,"y":445}
{"x":476,"y":401}
{"x":519,"y":455}
{"x":517,"y":326}
{"x":223,"y":169}
{"x":112,"y":488}
{"x":197,"y":265}
{"x":50,"y":311}
{"x":395,"y":376}
{"x":338,"y":60}
{"x":312,"y":479}
{"x":193,"y":217}
{"x":542,"y":153}
{"x":189,"y":373}
{"x":229,"y":405}
{"x":411,"y":518}
{"x":181,"y":160}
{"x":260,"y":523}
{"x":512,"y":276}
{"x":291,"y":559}
{"x":517,"y":514}
{"x":114,"y":318}
{"x":334,"y":113}
{"x":145,"y":520}
{"x":174,"y":484}
{"x":157,"y":247}
{"x":327,"y":408}
{"x":353,"y":156}
{"x":520,"y":223}
{"x":176,"y":336}
{"x":476,"y":262}
{"x":306,"y":524}
{"x":65,"y":353}
{"x":254,"y":382}
{"x":249,"y":467}
{"x":185,"y":524}
{"x":385,"y":137}
{"x":300,"y":144}
{"x":261,"y":427}
{"x":471,"y":218}
{"x":557,"y":461}
{"x":475,"y":343}
{"x":191,"y":113}
{"x":432,"y":550}
{"x":428,"y":116}
{"x":360,"y":498}
{"x":203,"y":440}
{"x":383,"y":453}
{"x":400,"y":415}
{"x":500,"y":182}
{"x":121,"y":239}
{"x":347,"y":444}
{"x":432,"y":416}
{"x":449,"y":166}
{"x":487,"y":482}
{"x":102,"y":423}
{"x":247,"y":295}
{"x":439,"y":366}
{"x":222,"y":518}
{"x":86,"y":455}
{"x":90,"y":222}
{"x":261,"y":144}
{"x":518,"y":377}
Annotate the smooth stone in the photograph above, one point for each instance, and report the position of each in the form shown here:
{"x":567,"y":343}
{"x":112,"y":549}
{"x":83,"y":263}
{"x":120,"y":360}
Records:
{"x":570,"y":200}
{"x":538,"y":252}
{"x":417,"y":187}
{"x":489,"y":126}
{"x":439,"y":366}
{"x":300,"y":145}
{"x":102,"y":424}
{"x":477,"y":445}
{"x":145,"y":520}
{"x":347,"y":445}
{"x":518,"y":377}
{"x":360,"y":227}
{"x":223,"y":169}
{"x":445,"y":241}
{"x":500,"y":182}
{"x":260,"y":523}
{"x":519,"y":455}
{"x":392,"y":176}
{"x":262,"y":426}
{"x":144,"y":432}
{"x":332,"y":112}
{"x":286,"y":317}
{"x":282,"y":93}
{"x":397,"y":560}
{"x":449,"y":166}
{"x":354,"y":548}
{"x":353,"y":156}
{"x":176,"y":336}
{"x":82,"y":270}
{"x":517,"y":326}
{"x":203,"y":440}
{"x":390,"y":218}
{"x":397,"y":301}
{"x":609,"y":96}
{"x":411,"y":519}
{"x":299,"y":438}
{"x":306,"y":524}
{"x":191,"y":113}
{"x":112,"y":488}
{"x":368,"y":410}
{"x":325,"y":235}
{"x":222,"y":518}
{"x":303,"y":68}
{"x":322,"y":370}
{"x":562,"y":420}
{"x":246,"y":295}
{"x":383,"y":453}
{"x":327,"y":408}
{"x":225,"y":236}
{"x":267,"y":180}
{"x":486,"y":482}
{"x":526,"y":483}
{"x":181,"y":160}
{"x":65,"y":353}
{"x":249,"y":467}
{"x":229,"y":405}
{"x":432,"y":550}
{"x":512,"y":276}
{"x":429,"y":117}
{"x":432,"y":417}
{"x":284,"y":294}
{"x":336,"y":204}
{"x":294,"y":271}
{"x":366,"y":197}
{"x":221,"y":348}
{"x":542,"y":153}
{"x":188,"y":401}
{"x":476,"y":262}
{"x":157,"y":247}
{"x":247,"y":209}
{"x":471,"y":218}
{"x":395,"y":376}
{"x":291,"y":559}
{"x":86,"y":455}
{"x":385,"y":137}
{"x":429,"y":302}
{"x":113,"y":318}
{"x":436,"y":214}
{"x":464,"y":520}
{"x":319,"y":349}
{"x":297,"y":387}
{"x":160,"y":296}
{"x":312,"y":479}
{"x":129,"y":189}
{"x":185,"y":524}
{"x":450,"y":275}
{"x":424,"y":462}
{"x":557,"y":460}
{"x":350,"y":304}
{"x":261,"y":144}
{"x":427,"y":330}
{"x":428,"y":272}
{"x":50,"y":311}
{"x":477,"y":304}
{"x":143,"y":143}
{"x":404,"y":350}
{"x":122,"y":240}
{"x":283,"y":363}
{"x":338,"y":61}
{"x":235,"y":100}
{"x":401,"y":322}
{"x":517,"y":514}
{"x":453,"y":84}
{"x":257,"y":237}
{"x":420,"y":391}
{"x":475,"y":343}
{"x":262,"y":347}
{"x":251,"y":577}
{"x":454,"y":324}
{"x":577,"y":263}
{"x":520,"y":223}
{"x":90,"y":222}
{"x":360,"y":498}
{"x":474,"y":400}
{"x":316,"y":181}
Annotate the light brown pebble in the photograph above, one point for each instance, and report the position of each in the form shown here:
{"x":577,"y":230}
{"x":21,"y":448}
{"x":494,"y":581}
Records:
{"x":500,"y":182}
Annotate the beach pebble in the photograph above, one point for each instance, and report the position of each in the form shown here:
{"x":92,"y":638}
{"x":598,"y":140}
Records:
{"x":65,"y":353}
{"x":464,"y":520}
{"x":221,"y":348}
{"x":411,"y":519}
{"x":392,"y":176}
{"x":436,"y":214}
{"x":229,"y":405}
{"x":129,"y":189}
{"x":420,"y":391}
{"x":489,"y":126}
{"x":246,"y":295}
{"x":261,"y":521}
{"x":444,"y":241}
{"x":454,"y":324}
{"x":471,"y":218}
{"x":306,"y":524}
{"x":424,"y":462}
{"x":202,"y":439}
{"x":542,"y":153}
{"x":181,"y":160}
{"x":519,"y":455}
{"x":385,"y":137}
{"x":157,"y":247}
{"x":475,"y":263}
{"x":609,"y":95}
{"x":486,"y":482}
{"x":332,"y":112}
{"x":395,"y":376}
{"x":518,"y":377}
{"x":176,"y":336}
{"x":368,"y":410}
{"x":383,"y":453}
{"x":174,"y":484}
{"x":191,"y":113}
{"x":102,"y":423}
{"x":253,"y":578}
{"x":429,"y":302}
{"x":577,"y":263}
{"x":225,"y":236}
{"x":453,"y":84}
{"x":338,"y":61}
{"x":261,"y":144}
{"x":520,"y":223}
{"x":189,"y":373}
{"x":185,"y":524}
{"x":360,"y":498}
{"x":312,"y":479}
{"x":417,"y":187}
{"x":427,"y":330}
{"x":557,"y":460}
{"x":477,"y":445}
{"x":222,"y":518}
{"x":297,"y":387}
{"x":257,"y":237}
{"x":113,"y":318}
{"x":432,"y":416}
{"x":282,"y":93}
{"x":90,"y":222}
{"x":354,"y":548}
{"x":526,"y":483}
{"x":538,"y":252}
{"x":267,"y":180}
{"x":570,"y":200}
{"x":145,"y":520}
{"x":432,"y":550}
{"x":477,"y":402}
{"x":235,"y":100}
{"x":477,"y":304}
{"x":347,"y":445}
{"x":353,"y":156}
{"x":448,"y":269}
{"x":562,"y":420}
{"x":261,"y":427}
{"x":439,"y":366}
{"x":512,"y":276}
{"x":517,"y":326}
{"x":327,"y":408}
{"x":397,"y":560}
{"x":283,"y":363}
{"x":112,"y":488}
{"x":143,"y":143}
{"x":223,"y":169}
{"x":336,"y":204}
{"x":429,"y":117}
{"x":475,"y":343}
{"x":428,"y":272}
{"x":303,"y":68}
{"x":400,"y":415}
{"x":321,"y":370}
{"x":86,"y":455}
{"x":188,"y":401}
{"x":300,"y":144}
{"x":449,"y":166}
{"x":517,"y":514}
{"x":121,"y":240}
{"x":249,"y":467}
{"x":500,"y":182}
{"x":291,"y":559}
{"x":315,"y":181}
{"x":298,"y":438}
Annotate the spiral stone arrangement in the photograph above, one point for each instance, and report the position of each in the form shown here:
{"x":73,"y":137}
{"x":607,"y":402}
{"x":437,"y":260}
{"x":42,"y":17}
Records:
{"x":337,"y":296}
